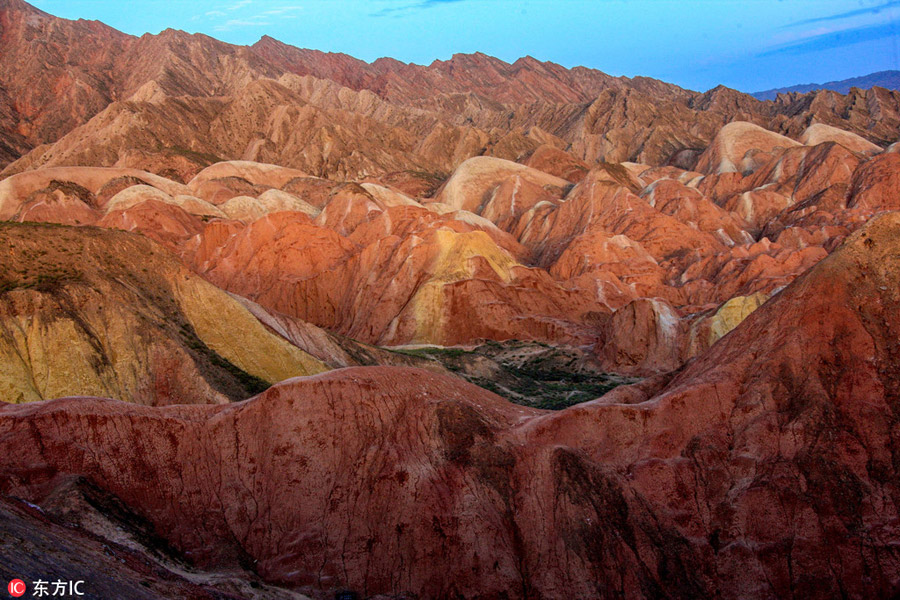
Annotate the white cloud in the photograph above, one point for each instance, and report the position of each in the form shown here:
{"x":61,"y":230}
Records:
{"x":257,"y":21}
{"x":263,"y":18}
{"x":282,"y":11}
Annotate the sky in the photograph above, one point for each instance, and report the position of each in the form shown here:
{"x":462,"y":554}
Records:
{"x":750,"y":45}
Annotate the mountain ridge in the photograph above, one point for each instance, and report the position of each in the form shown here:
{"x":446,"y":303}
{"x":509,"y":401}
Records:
{"x":57,"y":76}
{"x":889,"y":79}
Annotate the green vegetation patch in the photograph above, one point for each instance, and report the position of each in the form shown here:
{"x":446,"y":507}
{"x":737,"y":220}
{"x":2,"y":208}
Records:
{"x":203,"y":158}
{"x":527,"y":373}
{"x":251,"y":383}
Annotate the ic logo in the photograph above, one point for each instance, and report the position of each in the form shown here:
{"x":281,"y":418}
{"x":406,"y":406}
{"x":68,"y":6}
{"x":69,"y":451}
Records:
{"x":16,"y":588}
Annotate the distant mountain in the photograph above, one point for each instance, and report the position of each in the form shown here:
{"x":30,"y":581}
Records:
{"x":885,"y":79}
{"x":82,"y":93}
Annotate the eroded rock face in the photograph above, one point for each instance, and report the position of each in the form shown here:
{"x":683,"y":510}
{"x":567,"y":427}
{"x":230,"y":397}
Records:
{"x":875,"y":184}
{"x":96,"y":312}
{"x":692,"y":239}
{"x":644,"y":335}
{"x":81,"y":93}
{"x":819,"y":133}
{"x":396,"y":481}
{"x":502,"y":251}
{"x":735,"y":147}
{"x":94,"y":181}
{"x":69,"y":536}
{"x":702,"y":231}
{"x":473,"y":182}
{"x":550,"y":159}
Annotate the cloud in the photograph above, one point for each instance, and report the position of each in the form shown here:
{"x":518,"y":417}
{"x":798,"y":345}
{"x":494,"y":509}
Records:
{"x":254,"y":21}
{"x":409,"y":7}
{"x":288,"y":11}
{"x":831,"y":39}
{"x":283,"y":11}
{"x":872,"y":10}
{"x":261,"y":19}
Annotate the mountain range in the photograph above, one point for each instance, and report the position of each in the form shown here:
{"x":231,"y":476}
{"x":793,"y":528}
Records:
{"x":886,"y":79}
{"x":278,"y":323}
{"x":73,"y":91}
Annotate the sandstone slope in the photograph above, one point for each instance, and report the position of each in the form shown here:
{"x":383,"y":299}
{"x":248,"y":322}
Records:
{"x":753,"y":472}
{"x":500,"y":251}
{"x":94,"y":312}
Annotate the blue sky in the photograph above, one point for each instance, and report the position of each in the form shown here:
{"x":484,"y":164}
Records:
{"x":749,"y":45}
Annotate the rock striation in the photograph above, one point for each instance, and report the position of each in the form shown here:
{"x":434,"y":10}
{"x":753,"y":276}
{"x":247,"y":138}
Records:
{"x":395,"y":481}
{"x":94,"y":312}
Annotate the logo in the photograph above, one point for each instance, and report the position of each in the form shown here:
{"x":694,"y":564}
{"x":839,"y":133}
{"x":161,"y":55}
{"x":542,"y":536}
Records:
{"x":16,"y":588}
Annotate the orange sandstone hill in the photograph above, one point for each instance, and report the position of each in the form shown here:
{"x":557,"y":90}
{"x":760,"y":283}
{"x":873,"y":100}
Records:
{"x":633,"y":267}
{"x":246,"y":292}
{"x":637,"y":268}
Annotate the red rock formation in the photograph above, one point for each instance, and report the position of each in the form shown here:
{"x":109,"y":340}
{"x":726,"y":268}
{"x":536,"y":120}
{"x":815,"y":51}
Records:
{"x":597,"y":201}
{"x":464,"y":201}
{"x":701,"y":231}
{"x":618,"y":267}
{"x":333,"y":115}
{"x":59,"y":202}
{"x":643,"y":336}
{"x":16,"y":190}
{"x":875,"y":184}
{"x":513,"y":198}
{"x":475,"y":181}
{"x":584,"y":240}
{"x":376,"y":280}
{"x":819,"y":133}
{"x":551,"y":159}
{"x":90,"y":311}
{"x":673,"y":198}
{"x":66,"y":537}
{"x":167,"y":224}
{"x":734,"y":146}
{"x":751,"y":472}
{"x":401,"y":275}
